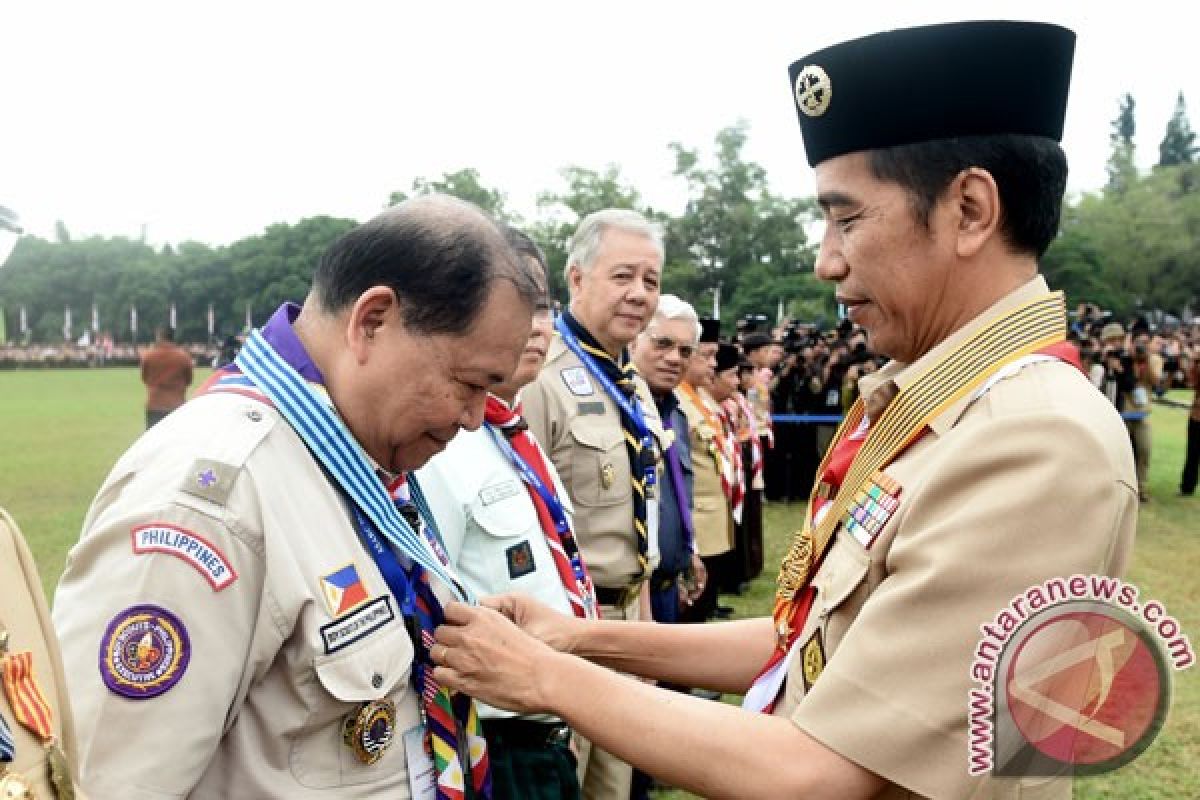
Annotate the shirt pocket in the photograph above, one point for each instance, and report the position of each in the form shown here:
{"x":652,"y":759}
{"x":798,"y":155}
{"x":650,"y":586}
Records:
{"x":599,"y":465}
{"x":841,"y":587}
{"x":378,"y":667}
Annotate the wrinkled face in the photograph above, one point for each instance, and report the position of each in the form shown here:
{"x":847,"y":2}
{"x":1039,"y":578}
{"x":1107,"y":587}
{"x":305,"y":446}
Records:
{"x":663,"y":352}
{"x":702,"y":365}
{"x":892,"y":274}
{"x":725,"y":383}
{"x":410,"y":393}
{"x":615,"y":297}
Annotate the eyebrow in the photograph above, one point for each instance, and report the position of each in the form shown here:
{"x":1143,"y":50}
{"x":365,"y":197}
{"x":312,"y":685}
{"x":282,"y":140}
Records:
{"x":829,"y":200}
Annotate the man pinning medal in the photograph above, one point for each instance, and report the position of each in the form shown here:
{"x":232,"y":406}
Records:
{"x":978,"y":463}
{"x":249,"y":610}
{"x":594,"y":415}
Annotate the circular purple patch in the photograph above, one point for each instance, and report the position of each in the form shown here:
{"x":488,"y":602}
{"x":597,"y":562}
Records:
{"x":144,"y":652}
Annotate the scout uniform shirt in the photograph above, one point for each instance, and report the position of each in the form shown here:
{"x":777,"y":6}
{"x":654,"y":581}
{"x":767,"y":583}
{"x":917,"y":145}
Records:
{"x":1031,"y":480}
{"x":710,"y":506}
{"x":579,"y":426}
{"x":242,"y":628}
{"x":25,"y":628}
{"x":490,"y":527}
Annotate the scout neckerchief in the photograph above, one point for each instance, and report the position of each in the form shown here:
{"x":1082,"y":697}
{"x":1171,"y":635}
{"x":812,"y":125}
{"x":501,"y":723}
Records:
{"x":617,"y":378}
{"x":451,"y":718}
{"x":1037,"y":324}
{"x":752,"y":438}
{"x":666,"y":408}
{"x":511,"y":435}
{"x":30,"y":708}
{"x":327,"y":438}
{"x":722,"y":445}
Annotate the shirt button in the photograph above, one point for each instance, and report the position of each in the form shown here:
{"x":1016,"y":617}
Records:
{"x":377,"y":680}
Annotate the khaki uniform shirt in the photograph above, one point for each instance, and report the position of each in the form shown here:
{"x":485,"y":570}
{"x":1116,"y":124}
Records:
{"x":579,"y":425}
{"x":1033,"y":480}
{"x":289,"y":625}
{"x":711,"y":516}
{"x":25,"y":619}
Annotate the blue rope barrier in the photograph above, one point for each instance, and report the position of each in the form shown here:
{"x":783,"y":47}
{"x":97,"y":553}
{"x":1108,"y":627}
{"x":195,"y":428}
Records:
{"x":834,"y":419}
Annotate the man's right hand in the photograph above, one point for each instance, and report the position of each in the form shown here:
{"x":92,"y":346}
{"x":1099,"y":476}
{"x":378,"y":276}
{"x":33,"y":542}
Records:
{"x":538,"y":620}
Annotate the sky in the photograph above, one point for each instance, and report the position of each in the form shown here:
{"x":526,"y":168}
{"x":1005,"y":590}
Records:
{"x":209,"y":121}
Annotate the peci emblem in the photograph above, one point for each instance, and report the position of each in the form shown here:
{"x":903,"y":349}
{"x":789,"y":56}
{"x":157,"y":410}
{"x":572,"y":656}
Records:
{"x":813,"y":656}
{"x":369,"y":731}
{"x":813,"y":91}
{"x":144,"y":652}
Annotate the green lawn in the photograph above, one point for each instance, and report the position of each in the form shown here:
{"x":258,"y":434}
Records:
{"x":61,"y":431}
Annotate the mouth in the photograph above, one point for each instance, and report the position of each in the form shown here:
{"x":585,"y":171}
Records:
{"x":534,"y":352}
{"x":853,"y":305}
{"x":636,"y":319}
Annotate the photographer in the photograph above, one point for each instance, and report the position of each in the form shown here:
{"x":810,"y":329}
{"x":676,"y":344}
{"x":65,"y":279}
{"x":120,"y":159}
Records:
{"x":1130,"y":374}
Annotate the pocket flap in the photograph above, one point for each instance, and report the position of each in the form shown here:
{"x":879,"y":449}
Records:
{"x":370,"y":669}
{"x":597,"y":437}
{"x":844,"y":570}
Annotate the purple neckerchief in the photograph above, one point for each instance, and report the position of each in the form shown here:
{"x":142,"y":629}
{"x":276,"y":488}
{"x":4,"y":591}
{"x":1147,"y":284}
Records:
{"x":667,"y":409}
{"x":283,"y":340}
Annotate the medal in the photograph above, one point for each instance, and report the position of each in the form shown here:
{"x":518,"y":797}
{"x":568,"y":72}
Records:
{"x":368,"y":731}
{"x":31,"y":709}
{"x":608,"y":474}
{"x":14,"y":787}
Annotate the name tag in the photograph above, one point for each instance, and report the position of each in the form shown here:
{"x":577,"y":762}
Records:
{"x":357,"y":625}
{"x":497,"y":492}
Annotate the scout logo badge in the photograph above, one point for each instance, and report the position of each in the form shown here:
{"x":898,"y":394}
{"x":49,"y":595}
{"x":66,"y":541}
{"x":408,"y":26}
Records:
{"x":812,"y":659}
{"x":813,"y":91}
{"x":520,"y":560}
{"x":144,"y":652}
{"x":608,"y":474}
{"x":873,"y":505}
{"x":369,"y":731}
{"x":577,"y":380}
{"x":191,"y":548}
{"x":344,"y":590}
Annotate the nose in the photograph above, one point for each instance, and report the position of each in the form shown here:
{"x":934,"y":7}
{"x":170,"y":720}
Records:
{"x":472,"y":416}
{"x":830,"y":266}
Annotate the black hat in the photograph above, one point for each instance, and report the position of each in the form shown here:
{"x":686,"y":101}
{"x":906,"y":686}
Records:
{"x":933,"y":82}
{"x":728,"y":356}
{"x":755,"y":341}
{"x":710,"y":330}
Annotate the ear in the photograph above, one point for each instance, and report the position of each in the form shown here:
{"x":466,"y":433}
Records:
{"x":574,"y":279}
{"x":977,"y":203}
{"x":373,"y":309}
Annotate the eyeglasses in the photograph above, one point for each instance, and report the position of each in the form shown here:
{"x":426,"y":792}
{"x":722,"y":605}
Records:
{"x":664,"y":343}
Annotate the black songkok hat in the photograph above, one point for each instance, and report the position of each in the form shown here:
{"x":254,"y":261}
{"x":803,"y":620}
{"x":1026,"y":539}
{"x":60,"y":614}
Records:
{"x":755,"y":341}
{"x":934,"y":82}
{"x":728,"y":356}
{"x":710,"y":330}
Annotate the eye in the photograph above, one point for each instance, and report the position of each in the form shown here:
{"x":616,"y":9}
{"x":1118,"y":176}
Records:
{"x":845,"y":223}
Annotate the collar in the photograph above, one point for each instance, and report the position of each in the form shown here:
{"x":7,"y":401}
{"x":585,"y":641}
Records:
{"x":283,"y":339}
{"x":878,"y":388}
{"x":666,"y":403}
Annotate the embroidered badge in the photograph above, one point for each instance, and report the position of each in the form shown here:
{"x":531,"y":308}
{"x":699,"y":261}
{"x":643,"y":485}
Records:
{"x":520,"y":560}
{"x":813,"y":91}
{"x":344,"y":590}
{"x":593,"y":407}
{"x":358,"y":624}
{"x":191,"y":548}
{"x":608,"y":473}
{"x":577,"y":380}
{"x":812,"y":657}
{"x":369,"y":731}
{"x":497,"y":492}
{"x":144,"y":652}
{"x":872,"y":507}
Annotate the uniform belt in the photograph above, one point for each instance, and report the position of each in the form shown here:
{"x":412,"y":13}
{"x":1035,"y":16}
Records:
{"x":516,"y":732}
{"x":621,"y":598}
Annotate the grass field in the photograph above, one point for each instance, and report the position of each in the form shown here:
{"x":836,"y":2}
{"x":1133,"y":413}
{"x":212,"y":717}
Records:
{"x":61,"y":431}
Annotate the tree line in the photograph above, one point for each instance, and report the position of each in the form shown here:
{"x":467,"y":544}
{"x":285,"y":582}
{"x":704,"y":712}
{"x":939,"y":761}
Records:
{"x":1134,"y":245}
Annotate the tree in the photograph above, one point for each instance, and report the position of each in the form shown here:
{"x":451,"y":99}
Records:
{"x":1179,"y":143}
{"x":1121,"y":169}
{"x":465,"y":184}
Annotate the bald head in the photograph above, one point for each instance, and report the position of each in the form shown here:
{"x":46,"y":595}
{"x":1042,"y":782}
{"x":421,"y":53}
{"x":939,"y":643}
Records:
{"x":438,"y":254}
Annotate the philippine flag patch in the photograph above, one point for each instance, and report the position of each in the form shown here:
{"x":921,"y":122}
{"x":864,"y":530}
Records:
{"x":344,"y":590}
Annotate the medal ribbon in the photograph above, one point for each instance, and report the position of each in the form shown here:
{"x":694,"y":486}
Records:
{"x":1037,"y":324}
{"x":618,"y":382}
{"x":8,"y":745}
{"x":328,"y":439}
{"x":511,"y":436}
{"x":25,"y":696}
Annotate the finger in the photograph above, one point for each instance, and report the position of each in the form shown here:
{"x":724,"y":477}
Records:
{"x":459,"y":613}
{"x":504,"y":603}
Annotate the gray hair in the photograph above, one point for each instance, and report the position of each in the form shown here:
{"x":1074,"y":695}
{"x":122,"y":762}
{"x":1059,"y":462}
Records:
{"x":673,"y":307}
{"x":584,"y":243}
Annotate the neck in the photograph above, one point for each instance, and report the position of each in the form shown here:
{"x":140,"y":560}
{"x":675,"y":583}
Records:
{"x":506,"y":394}
{"x":308,"y":329}
{"x":613,"y":348}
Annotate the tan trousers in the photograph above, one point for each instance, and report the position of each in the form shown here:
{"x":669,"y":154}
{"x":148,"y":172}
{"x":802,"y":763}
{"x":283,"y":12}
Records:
{"x":603,"y":776}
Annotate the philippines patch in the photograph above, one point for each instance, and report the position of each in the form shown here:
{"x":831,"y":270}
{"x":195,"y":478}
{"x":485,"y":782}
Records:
{"x":191,"y":548}
{"x":362,"y":622}
{"x":144,"y":652}
{"x":520,"y":560}
{"x":577,"y":380}
{"x":344,"y":590}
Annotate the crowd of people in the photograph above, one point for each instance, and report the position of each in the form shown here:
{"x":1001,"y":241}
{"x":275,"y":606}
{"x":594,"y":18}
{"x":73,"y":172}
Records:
{"x":424,"y":538}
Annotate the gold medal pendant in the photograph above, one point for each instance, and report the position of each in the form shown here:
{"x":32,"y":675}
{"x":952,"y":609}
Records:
{"x":58,"y":772}
{"x":13,"y":786}
{"x":369,"y":731}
